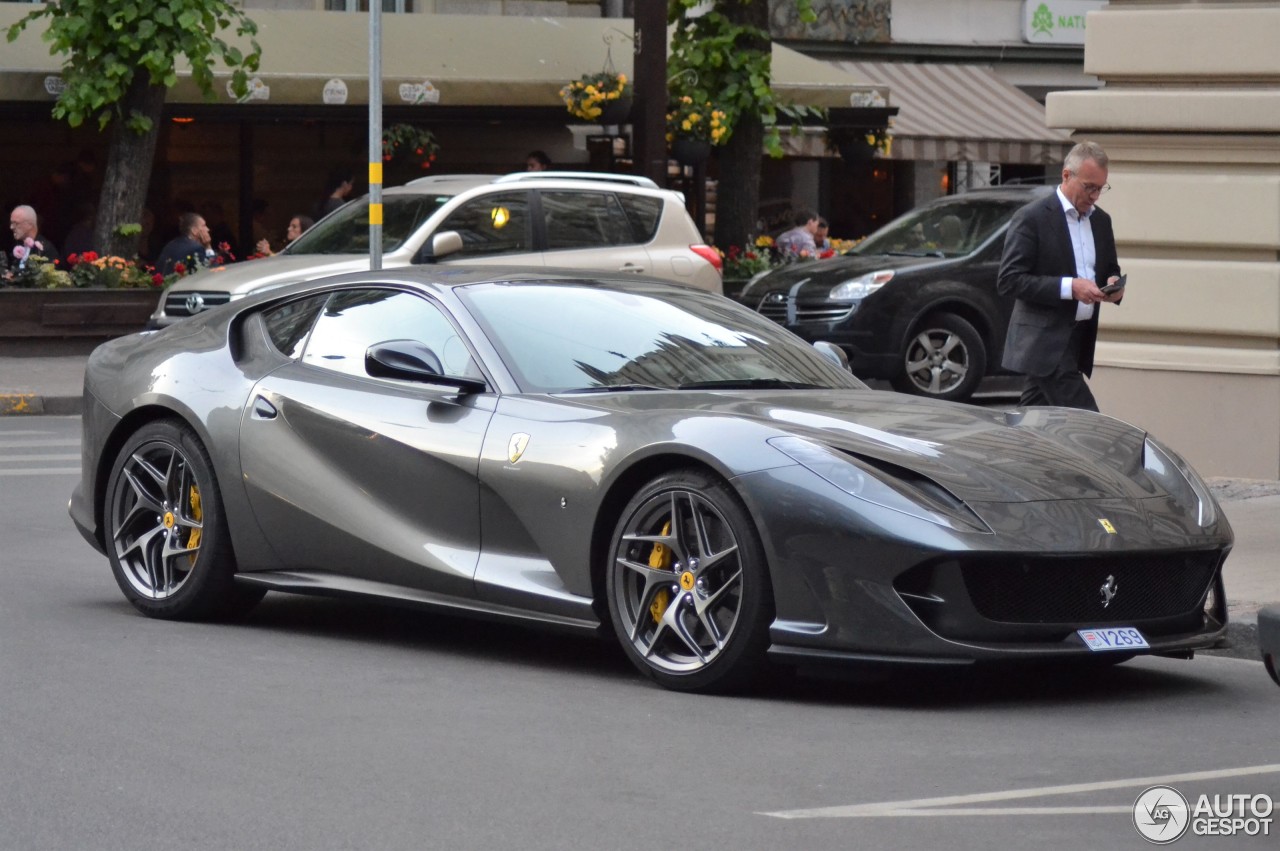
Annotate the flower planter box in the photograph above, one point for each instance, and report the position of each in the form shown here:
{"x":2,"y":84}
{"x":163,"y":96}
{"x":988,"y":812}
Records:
{"x":74,"y":312}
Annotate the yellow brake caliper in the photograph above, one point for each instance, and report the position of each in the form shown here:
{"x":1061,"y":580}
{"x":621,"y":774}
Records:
{"x":193,"y":540}
{"x":660,"y":559}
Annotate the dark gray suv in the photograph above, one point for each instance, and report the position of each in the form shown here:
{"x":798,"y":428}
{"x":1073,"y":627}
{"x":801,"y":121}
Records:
{"x":915,"y":302}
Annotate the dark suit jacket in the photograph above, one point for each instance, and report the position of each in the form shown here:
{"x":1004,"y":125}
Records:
{"x":1037,"y":256}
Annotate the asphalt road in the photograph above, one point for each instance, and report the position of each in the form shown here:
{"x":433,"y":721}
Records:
{"x":321,"y":724}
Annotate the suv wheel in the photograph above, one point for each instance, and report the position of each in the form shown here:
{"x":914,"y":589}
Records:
{"x":943,"y":358}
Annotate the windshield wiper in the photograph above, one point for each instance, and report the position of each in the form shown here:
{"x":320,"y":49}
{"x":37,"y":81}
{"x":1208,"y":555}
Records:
{"x":934,"y":253}
{"x":614,"y":388}
{"x":750,"y":384}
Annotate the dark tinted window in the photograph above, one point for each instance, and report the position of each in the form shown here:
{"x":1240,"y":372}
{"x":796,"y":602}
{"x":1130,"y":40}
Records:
{"x":584,"y":220}
{"x":561,"y":337}
{"x":347,"y":230}
{"x":644,"y":214}
{"x":354,"y":320}
{"x":288,"y":324}
{"x":491,"y":224}
{"x":951,"y":229}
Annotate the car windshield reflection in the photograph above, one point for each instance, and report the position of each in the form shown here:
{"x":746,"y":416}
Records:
{"x":566,"y":338}
{"x":941,"y":230}
{"x":347,"y":230}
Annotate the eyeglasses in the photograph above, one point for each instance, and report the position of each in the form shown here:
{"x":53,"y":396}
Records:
{"x":1093,"y":188}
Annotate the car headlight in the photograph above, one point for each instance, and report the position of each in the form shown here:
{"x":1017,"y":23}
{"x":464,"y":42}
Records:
{"x":914,"y":495}
{"x":859,"y":288}
{"x":1184,"y":484}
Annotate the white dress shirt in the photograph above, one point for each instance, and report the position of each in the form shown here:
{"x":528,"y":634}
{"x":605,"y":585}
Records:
{"x":1082,"y":248}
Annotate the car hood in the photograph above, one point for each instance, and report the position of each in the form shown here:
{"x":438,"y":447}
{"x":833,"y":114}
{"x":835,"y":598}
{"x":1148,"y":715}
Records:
{"x":819,"y":276}
{"x":979,"y":455}
{"x":274,"y":271}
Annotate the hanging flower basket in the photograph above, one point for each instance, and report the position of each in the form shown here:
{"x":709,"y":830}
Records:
{"x":410,"y":144}
{"x":615,"y":111}
{"x":855,"y":144}
{"x":687,"y":151}
{"x":588,"y":96}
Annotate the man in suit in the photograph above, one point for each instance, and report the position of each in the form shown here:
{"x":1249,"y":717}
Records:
{"x":1056,"y":250}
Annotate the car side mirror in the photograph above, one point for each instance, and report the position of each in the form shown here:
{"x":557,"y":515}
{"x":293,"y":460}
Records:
{"x":833,"y":353}
{"x":410,"y":360}
{"x":440,"y":245}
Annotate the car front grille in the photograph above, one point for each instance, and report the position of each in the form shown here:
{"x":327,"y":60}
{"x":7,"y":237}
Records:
{"x":774,"y":306}
{"x":1070,"y":590}
{"x":191,"y":303}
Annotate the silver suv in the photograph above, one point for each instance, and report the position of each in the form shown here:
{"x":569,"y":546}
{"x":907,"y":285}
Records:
{"x":566,"y":220}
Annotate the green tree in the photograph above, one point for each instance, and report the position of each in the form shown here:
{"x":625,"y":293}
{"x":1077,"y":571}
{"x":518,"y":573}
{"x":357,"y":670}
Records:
{"x":120,"y":61}
{"x":723,"y":55}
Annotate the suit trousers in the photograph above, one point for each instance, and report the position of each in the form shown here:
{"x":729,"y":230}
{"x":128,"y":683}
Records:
{"x":1065,"y":386}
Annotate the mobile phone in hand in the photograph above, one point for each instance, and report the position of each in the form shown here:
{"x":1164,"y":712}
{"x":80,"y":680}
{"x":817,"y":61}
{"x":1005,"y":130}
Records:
{"x":1117,"y":286}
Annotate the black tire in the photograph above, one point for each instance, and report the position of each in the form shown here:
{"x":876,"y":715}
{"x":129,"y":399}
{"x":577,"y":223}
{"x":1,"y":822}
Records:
{"x":694,"y":616}
{"x":943,"y":358}
{"x":166,"y":533}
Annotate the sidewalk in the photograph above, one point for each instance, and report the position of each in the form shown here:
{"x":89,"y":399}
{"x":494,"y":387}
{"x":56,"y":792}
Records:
{"x":52,"y":385}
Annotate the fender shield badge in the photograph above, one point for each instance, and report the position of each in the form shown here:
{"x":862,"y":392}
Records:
{"x":1106,"y":525}
{"x":515,"y":448}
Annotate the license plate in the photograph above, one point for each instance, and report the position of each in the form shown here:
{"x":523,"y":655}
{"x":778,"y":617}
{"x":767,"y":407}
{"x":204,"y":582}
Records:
{"x":1113,"y":638}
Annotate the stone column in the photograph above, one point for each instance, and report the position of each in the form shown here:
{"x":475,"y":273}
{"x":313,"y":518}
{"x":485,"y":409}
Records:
{"x":1190,"y":115}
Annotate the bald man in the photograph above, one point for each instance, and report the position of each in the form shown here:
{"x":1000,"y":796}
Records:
{"x":24,"y":225}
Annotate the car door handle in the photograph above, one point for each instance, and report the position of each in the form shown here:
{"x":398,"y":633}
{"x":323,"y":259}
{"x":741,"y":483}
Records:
{"x":631,"y":267}
{"x":263,"y":410}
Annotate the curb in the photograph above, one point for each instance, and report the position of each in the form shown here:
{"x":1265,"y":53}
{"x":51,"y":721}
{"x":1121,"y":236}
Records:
{"x":34,"y":404}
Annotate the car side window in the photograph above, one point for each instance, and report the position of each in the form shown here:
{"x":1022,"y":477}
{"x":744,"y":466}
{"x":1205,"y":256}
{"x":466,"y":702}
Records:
{"x":354,"y":320}
{"x":643,"y":213}
{"x":492,"y":224}
{"x":584,"y":220}
{"x":288,"y":324}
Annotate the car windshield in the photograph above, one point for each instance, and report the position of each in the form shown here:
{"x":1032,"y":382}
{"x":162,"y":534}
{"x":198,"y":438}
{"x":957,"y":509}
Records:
{"x":952,"y":229}
{"x":568,"y":337}
{"x":347,"y":230}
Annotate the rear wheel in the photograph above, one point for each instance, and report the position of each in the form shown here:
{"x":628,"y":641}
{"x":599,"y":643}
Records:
{"x":944,"y":358}
{"x":167,"y":536}
{"x":688,"y":590}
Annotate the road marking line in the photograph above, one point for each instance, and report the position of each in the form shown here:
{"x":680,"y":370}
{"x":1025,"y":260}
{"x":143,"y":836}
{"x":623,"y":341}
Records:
{"x":5,"y":458}
{"x":50,"y":471}
{"x":891,"y":807}
{"x":22,"y":444}
{"x":996,"y":811}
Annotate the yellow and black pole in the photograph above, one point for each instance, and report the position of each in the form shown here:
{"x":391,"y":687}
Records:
{"x":375,"y":135}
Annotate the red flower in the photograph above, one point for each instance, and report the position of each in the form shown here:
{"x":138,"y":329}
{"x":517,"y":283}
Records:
{"x":179,"y":268}
{"x":418,"y":151}
{"x":828,"y":252}
{"x":386,"y":158}
{"x":73,"y":259}
{"x":157,"y":280}
{"x":89,"y":256}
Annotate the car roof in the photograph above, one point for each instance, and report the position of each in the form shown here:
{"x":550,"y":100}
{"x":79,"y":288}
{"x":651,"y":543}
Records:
{"x":457,"y":183}
{"x":1006,"y":192}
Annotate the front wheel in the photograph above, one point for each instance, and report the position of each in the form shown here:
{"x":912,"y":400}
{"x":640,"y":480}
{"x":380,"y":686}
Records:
{"x":166,"y":532}
{"x":944,"y":358}
{"x":687,"y":585}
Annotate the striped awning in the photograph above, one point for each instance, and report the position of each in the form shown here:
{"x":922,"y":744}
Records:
{"x":961,"y":113}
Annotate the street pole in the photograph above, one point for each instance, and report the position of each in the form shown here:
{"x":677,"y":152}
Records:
{"x":649,"y":117}
{"x":375,"y":135}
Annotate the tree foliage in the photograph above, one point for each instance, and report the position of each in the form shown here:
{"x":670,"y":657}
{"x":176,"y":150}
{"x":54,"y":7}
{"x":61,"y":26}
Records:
{"x":107,"y":45}
{"x":723,"y":54}
{"x":121,"y":58}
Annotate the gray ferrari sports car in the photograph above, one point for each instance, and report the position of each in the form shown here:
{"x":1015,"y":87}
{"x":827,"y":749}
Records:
{"x":619,"y":455}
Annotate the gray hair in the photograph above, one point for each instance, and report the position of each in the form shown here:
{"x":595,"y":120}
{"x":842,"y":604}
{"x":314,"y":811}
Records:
{"x":27,"y":212}
{"x":1085,"y":151}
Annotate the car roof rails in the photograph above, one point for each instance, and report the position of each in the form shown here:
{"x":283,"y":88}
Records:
{"x":597,"y":176}
{"x":449,"y":178}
